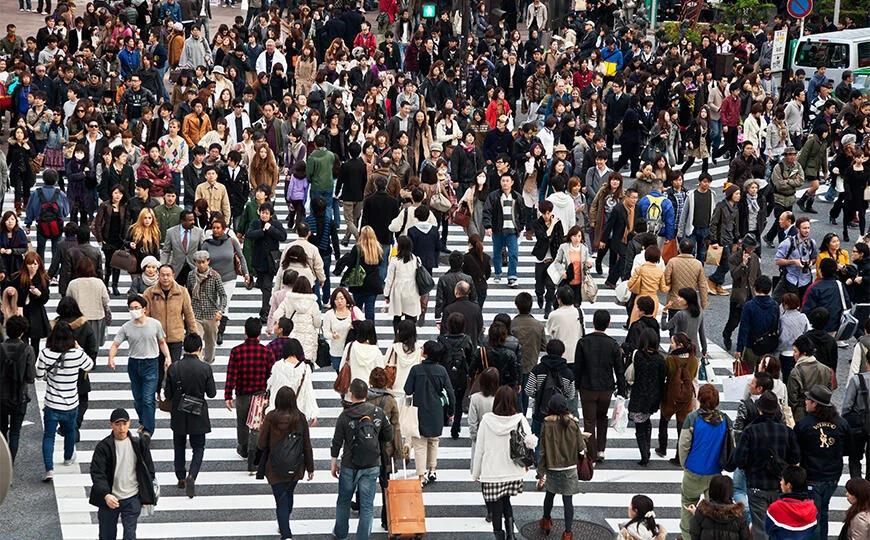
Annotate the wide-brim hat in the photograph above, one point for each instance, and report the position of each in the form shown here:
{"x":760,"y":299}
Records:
{"x":560,"y":148}
{"x":820,"y":395}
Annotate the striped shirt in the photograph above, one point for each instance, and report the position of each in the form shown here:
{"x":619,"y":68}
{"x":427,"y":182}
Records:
{"x":62,"y":392}
{"x":507,"y":206}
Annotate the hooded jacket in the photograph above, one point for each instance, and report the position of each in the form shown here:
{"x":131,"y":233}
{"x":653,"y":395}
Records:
{"x":792,"y":516}
{"x":492,"y":460}
{"x":363,"y":358}
{"x":702,"y":439}
{"x":537,"y":377}
{"x":344,"y":427}
{"x":563,"y":208}
{"x":716,"y":521}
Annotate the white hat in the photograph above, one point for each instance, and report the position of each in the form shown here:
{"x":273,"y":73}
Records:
{"x":218,"y":69}
{"x":178,"y":27}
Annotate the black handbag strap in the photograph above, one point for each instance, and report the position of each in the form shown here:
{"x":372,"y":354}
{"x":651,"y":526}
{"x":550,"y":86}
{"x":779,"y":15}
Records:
{"x":430,"y":377}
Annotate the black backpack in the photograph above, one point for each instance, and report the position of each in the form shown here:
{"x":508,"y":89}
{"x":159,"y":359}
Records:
{"x":365,"y":448}
{"x":455,"y":361}
{"x":289,"y":454}
{"x":49,"y":222}
{"x":552,"y":384}
{"x":12,"y":373}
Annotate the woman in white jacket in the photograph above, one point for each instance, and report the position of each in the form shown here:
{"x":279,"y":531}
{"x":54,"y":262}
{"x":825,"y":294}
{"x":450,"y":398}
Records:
{"x":571,"y":262}
{"x":400,"y":288}
{"x":499,"y":476}
{"x":563,"y":205}
{"x":337,"y":323}
{"x":300,"y":306}
{"x":363,"y":355}
{"x":481,"y":404}
{"x":294,"y":373}
{"x":403,"y":354}
{"x":755,"y":127}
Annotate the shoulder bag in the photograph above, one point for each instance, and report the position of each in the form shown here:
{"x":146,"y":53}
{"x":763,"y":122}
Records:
{"x":520,"y":454}
{"x":391,"y":368}
{"x":588,"y":288}
{"x":442,"y":394}
{"x":342,"y":382}
{"x":124,"y":260}
{"x":425,"y":283}
{"x":191,"y":405}
{"x":439,"y":201}
{"x":848,"y":322}
{"x":629,"y":371}
{"x":474,"y":384}
{"x":356,"y":276}
{"x":767,"y":342}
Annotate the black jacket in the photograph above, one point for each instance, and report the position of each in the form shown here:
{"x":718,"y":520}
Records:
{"x":372,"y":283}
{"x":501,"y":358}
{"x":379,"y":210}
{"x":473,"y":318}
{"x":617,"y":222}
{"x":425,"y":382}
{"x":265,"y":242}
{"x":616,"y":108}
{"x":465,"y":164}
{"x":649,"y":382}
{"x":823,"y":445}
{"x":546,"y":244}
{"x":519,"y":80}
{"x":193,"y":377}
{"x":459,"y":371}
{"x":597,"y":360}
{"x":352,"y":180}
{"x":538,"y":376}
{"x":343,"y":435}
{"x":238,"y":189}
{"x":493,"y":215}
{"x":103,"y":471}
{"x":716,"y":521}
{"x":444,"y":290}
{"x":427,"y":244}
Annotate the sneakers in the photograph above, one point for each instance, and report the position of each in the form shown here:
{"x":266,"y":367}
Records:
{"x":512,"y":283}
{"x":496,"y":279}
{"x":70,"y":461}
{"x":48,"y":477}
{"x":429,"y":479}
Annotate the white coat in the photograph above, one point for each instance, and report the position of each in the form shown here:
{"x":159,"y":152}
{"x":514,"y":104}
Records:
{"x":492,"y":455}
{"x":401,"y":287}
{"x":302,"y":309}
{"x":297,"y":377}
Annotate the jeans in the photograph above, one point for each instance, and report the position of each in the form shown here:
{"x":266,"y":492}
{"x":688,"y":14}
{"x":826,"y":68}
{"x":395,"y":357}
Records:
{"x":350,"y":481}
{"x":740,"y":494}
{"x":759,"y":500}
{"x":524,"y":398}
{"x":715,"y":133}
{"x":143,"y":384}
{"x":40,"y":245}
{"x":283,"y":493}
{"x":176,"y":179}
{"x":821,"y":493}
{"x":166,"y":97}
{"x":366,"y":302}
{"x":700,"y":235}
{"x":11,"y":419}
{"x":179,"y":444}
{"x":128,"y":511}
{"x":67,"y":421}
{"x":385,"y":260}
{"x":718,"y":276}
{"x":510,"y":241}
{"x":335,"y":362}
{"x":322,"y":289}
{"x":22,"y":6}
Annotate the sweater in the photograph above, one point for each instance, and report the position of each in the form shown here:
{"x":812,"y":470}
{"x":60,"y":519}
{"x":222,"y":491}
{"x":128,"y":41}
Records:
{"x":792,"y":517}
{"x":92,"y":298}
{"x":538,"y":376}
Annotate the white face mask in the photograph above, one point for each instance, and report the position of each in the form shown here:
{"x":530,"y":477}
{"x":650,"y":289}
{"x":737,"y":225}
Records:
{"x":481,"y":181}
{"x":135,"y":314}
{"x":80,"y":156}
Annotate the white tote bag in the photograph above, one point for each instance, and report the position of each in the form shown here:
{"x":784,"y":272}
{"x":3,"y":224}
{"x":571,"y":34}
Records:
{"x":408,"y":419}
{"x":734,"y":387}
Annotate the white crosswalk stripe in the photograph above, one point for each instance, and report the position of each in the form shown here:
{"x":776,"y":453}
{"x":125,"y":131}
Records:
{"x":230,"y":503}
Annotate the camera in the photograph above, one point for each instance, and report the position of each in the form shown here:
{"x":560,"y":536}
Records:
{"x":805,"y":267}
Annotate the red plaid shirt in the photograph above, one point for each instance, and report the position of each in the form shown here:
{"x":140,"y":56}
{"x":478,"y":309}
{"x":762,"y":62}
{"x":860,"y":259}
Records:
{"x":276,"y":346}
{"x":249,"y":368}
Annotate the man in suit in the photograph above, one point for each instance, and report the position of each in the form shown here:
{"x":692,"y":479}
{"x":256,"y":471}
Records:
{"x":181,"y":243}
{"x":511,"y":77}
{"x":236,"y":181}
{"x":78,"y":35}
{"x":618,"y":231}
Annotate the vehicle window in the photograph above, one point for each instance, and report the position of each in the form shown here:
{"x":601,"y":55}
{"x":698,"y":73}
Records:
{"x":831,"y":55}
{"x":864,"y":54}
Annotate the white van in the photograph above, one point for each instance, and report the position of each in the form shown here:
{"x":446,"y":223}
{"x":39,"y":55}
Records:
{"x":838,"y":51}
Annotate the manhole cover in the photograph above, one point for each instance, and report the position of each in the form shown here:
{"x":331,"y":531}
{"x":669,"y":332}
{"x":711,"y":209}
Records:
{"x":583,"y":530}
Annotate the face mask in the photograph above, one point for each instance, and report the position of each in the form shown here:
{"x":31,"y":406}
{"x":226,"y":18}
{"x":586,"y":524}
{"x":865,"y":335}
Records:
{"x":481,"y":181}
{"x":80,"y":156}
{"x":135,"y":314}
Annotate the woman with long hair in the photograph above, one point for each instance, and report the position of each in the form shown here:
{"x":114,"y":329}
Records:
{"x":284,"y":419}
{"x":403,"y":354}
{"x":830,"y":249}
{"x":500,"y":477}
{"x":31,"y":282}
{"x":689,"y":319}
{"x":306,"y":67}
{"x":263,"y":168}
{"x":855,"y":178}
{"x":717,"y":515}
{"x":593,"y":113}
{"x":13,"y":242}
{"x":477,"y":264}
{"x":219,"y":135}
{"x":572,"y":261}
{"x":143,"y":237}
{"x":363,"y":354}
{"x":18,"y":157}
{"x":297,"y":260}
{"x":699,"y":142}
{"x":561,"y":442}
{"x":338,"y":322}
{"x":856,"y":524}
{"x":642,"y":523}
{"x":662,"y":136}
{"x":479,"y":404}
{"x":300,"y":306}
{"x":295,"y":372}
{"x":497,"y":108}
{"x":60,"y":363}
{"x":608,"y":197}
{"x":368,"y":253}
{"x":419,"y":140}
{"x":650,"y":372}
{"x":682,"y":355}
{"x":400,"y":287}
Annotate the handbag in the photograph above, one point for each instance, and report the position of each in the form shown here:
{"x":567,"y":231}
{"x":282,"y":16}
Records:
{"x":461,"y":217}
{"x":629,"y":371}
{"x":36,"y":163}
{"x":669,"y":250}
{"x":237,"y":265}
{"x":439,"y":201}
{"x":714,"y":255}
{"x":342,"y":382}
{"x":474,"y":384}
{"x":848,"y":322}
{"x":409,"y":422}
{"x":520,"y":454}
{"x":259,"y":403}
{"x":356,"y":276}
{"x":323,"y":357}
{"x":726,"y":455}
{"x":124,"y":260}
{"x":767,"y":342}
{"x":588,"y":289}
{"x":191,"y":405}
{"x":585,"y":468}
{"x":425,"y":283}
{"x":390,"y":369}
{"x":623,"y":295}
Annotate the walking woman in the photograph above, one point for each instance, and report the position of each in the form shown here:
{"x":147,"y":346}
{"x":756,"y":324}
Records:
{"x":856,"y":524}
{"x":403,"y":298}
{"x":92,"y":297}
{"x":380,"y":396}
{"x":403,"y":355}
{"x":688,"y":320}
{"x":363,"y":354}
{"x":278,"y":424}
{"x":473,"y":198}
{"x":608,"y":197}
{"x":18,"y":157}
{"x":294,"y":372}
{"x":109,"y":226}
{"x":648,"y":280}
{"x":561,"y":443}
{"x":59,"y":363}
{"x":143,"y":237}
{"x":478,"y":406}
{"x":31,"y":282}
{"x":337,"y":323}
{"x":368,"y":254}
{"x":477,"y":264}
{"x":458,"y":352}
{"x":647,"y":391}
{"x":572,"y":262}
{"x":13,"y":243}
{"x":699,"y":144}
{"x":300,"y":306}
{"x":677,"y":400}
{"x":433,"y":395}
{"x":500,"y":476}
{"x":496,"y":354}
{"x":642,"y":525}
{"x":855,"y":179}
{"x":717,"y":515}
{"x":224,"y":250}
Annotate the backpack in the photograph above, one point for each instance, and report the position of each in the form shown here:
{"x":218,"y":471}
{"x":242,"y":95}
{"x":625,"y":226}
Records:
{"x":455,"y":361}
{"x":49,"y":222}
{"x":654,"y":217}
{"x":552,"y":385}
{"x":12,"y":387}
{"x":289,"y":454}
{"x":365,"y":448}
{"x":681,"y":389}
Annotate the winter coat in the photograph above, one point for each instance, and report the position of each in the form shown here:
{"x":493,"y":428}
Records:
{"x":562,"y":265}
{"x":403,"y":362}
{"x":559,"y":445}
{"x":792,"y":517}
{"x":426,"y":382}
{"x":563,"y":209}
{"x":649,"y":382}
{"x":276,"y":427}
{"x":502,"y":359}
{"x":401,"y":287}
{"x":363,"y":358}
{"x":297,"y":377}
{"x":193,"y":377}
{"x":372,"y":283}
{"x":427,"y":244}
{"x":786,"y":180}
{"x":103,"y":471}
{"x":715,"y":521}
{"x":302,"y":309}
{"x":174,"y":312}
{"x":491,"y":461}
{"x":826,"y":293}
{"x":538,"y":376}
{"x":387,"y":403}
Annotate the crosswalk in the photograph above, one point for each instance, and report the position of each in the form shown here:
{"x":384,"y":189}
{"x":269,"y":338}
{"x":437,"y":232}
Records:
{"x":232,"y":504}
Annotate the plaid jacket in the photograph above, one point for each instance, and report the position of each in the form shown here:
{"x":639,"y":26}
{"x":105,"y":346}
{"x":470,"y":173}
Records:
{"x":212,"y":296}
{"x":248,"y":369}
{"x":276,"y":347}
{"x":753,"y":451}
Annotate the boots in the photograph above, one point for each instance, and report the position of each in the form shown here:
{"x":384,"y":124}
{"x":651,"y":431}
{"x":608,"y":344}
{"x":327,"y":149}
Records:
{"x":220,"y":333}
{"x":802,"y":202}
{"x":808,"y":207}
{"x":18,"y":208}
{"x":499,"y":535}
{"x":567,"y":535}
{"x":545,"y":524}
{"x":642,"y":434}
{"x":509,"y":529}
{"x":540,"y":301}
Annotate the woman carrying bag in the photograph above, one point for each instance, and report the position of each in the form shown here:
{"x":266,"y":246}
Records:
{"x":646,"y":393}
{"x":278,"y":424}
{"x":560,"y":445}
{"x":294,"y":372}
{"x":572,"y":262}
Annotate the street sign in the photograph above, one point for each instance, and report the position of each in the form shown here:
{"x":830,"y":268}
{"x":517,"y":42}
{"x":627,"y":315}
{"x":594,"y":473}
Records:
{"x":799,"y":8}
{"x":777,"y":61}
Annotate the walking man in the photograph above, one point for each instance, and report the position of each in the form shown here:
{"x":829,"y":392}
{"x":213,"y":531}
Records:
{"x":208,"y":300}
{"x":503,"y":221}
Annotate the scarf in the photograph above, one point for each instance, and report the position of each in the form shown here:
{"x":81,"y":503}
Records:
{"x":468,"y":148}
{"x":629,"y":227}
{"x":149,"y":281}
{"x":752,"y":201}
{"x":712,"y":417}
{"x":200,"y":279}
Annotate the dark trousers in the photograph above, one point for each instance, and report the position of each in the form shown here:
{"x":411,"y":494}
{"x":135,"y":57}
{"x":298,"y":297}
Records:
{"x":544,"y":286}
{"x":643,"y":436}
{"x":567,"y":503}
{"x":500,"y":510}
{"x":264,"y":283}
{"x":128,"y":511}
{"x":179,"y":444}
{"x":663,"y":430}
{"x":243,"y":406}
{"x":734,"y":312}
{"x":821,"y":493}
{"x":175,"y":350}
{"x":617,"y":261}
{"x":730,"y":143}
{"x":630,"y":152}
{"x":786,"y":364}
{"x":860,"y":450}
{"x":855,"y":204}
{"x":11,"y":419}
{"x":459,"y":391}
{"x":114,"y":272}
{"x":283,"y":493}
{"x":595,"y":404}
{"x":718,"y":276}
{"x":759,"y":500}
{"x":296,"y":213}
{"x":774,"y":228}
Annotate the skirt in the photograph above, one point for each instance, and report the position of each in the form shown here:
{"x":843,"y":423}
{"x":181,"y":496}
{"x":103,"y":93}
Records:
{"x":563,"y":482}
{"x":701,"y":152}
{"x":493,"y":491}
{"x":638,"y":417}
{"x":54,"y":159}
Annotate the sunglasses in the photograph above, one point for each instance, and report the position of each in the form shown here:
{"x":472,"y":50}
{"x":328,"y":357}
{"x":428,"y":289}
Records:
{"x":94,"y":126}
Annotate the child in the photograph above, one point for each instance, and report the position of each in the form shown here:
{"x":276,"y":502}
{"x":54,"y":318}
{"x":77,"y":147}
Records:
{"x":297,"y":193}
{"x":282,"y":331}
{"x":642,"y":525}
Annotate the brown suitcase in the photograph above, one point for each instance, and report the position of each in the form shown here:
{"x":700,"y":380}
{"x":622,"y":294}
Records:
{"x":406,"y":515}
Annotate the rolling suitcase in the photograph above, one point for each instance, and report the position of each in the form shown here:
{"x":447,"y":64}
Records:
{"x":406,"y":515}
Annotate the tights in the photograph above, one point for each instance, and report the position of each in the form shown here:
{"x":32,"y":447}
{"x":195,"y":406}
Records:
{"x":705,"y":164}
{"x":500,"y":510}
{"x":34,"y":343}
{"x":549,"y":497}
{"x":398,"y":318}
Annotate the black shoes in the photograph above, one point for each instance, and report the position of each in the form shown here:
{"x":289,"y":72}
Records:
{"x":189,"y":487}
{"x":727,"y":342}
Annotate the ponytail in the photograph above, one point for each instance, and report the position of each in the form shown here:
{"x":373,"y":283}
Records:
{"x":643,"y":505}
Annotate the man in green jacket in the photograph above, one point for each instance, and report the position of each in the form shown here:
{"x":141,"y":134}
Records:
{"x":319,"y":168}
{"x":168,"y":214}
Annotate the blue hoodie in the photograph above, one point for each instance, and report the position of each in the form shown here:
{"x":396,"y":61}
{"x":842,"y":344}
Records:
{"x":668,"y":214}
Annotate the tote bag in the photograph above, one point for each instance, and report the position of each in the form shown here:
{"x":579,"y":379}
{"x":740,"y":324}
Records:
{"x":409,"y":422}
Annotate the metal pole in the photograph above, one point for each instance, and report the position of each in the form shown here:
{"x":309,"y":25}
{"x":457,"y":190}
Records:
{"x":802,"y":28}
{"x":836,"y":12}
{"x":653,"y":16}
